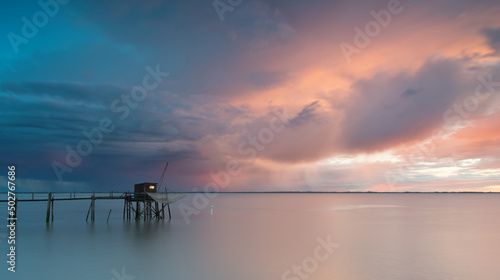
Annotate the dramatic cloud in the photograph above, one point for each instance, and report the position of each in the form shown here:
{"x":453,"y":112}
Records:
{"x":387,"y":111}
{"x":267,"y":88}
{"x":493,"y":37}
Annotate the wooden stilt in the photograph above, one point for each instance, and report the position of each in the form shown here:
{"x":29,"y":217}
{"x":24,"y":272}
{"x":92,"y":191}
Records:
{"x":47,"y":219}
{"x":92,"y":217}
{"x":108,"y":216}
{"x":128,"y":209}
{"x":150,"y":211}
{"x":52,"y":210}
{"x":169,"y":215}
{"x":15,"y":208}
{"x":145,"y":208}
{"x":157,"y":210}
{"x":124,"y":204}
{"x":137,"y":210}
{"x":88,"y":212}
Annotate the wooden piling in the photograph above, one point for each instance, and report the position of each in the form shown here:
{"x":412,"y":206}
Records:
{"x":88,"y":212}
{"x":124,"y":204}
{"x":150,"y":212}
{"x":157,"y":210}
{"x":145,"y":208}
{"x":52,"y":210}
{"x":137,"y":210}
{"x":129,"y":206}
{"x":92,"y":216}
{"x":47,"y":219}
{"x":15,"y":208}
{"x":169,"y":215}
{"x":108,"y":216}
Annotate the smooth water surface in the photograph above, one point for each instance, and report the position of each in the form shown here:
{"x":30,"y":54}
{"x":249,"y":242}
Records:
{"x":267,"y":236}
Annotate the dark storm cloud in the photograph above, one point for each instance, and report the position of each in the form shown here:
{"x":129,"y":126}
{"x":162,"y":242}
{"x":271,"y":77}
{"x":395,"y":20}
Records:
{"x":410,"y":91}
{"x":41,"y":119}
{"x":379,"y":116}
{"x":305,"y":116}
{"x":493,"y":38}
{"x":209,"y":56}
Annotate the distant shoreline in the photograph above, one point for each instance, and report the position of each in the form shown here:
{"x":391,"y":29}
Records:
{"x":368,"y":192}
{"x":274,"y":192}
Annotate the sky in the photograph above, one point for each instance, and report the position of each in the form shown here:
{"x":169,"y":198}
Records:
{"x":242,"y":95}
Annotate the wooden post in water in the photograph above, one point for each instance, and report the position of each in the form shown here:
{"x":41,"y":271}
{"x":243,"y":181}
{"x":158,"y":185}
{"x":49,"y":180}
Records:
{"x":47,"y":219}
{"x":91,"y":210}
{"x":157,"y":210}
{"x":88,"y":212}
{"x":168,"y":205}
{"x":108,"y":216}
{"x":137,"y":210}
{"x":15,"y":208}
{"x":150,"y":213}
{"x":92,"y":217}
{"x":52,"y":209}
{"x":130,"y":206}
{"x":169,"y":215}
{"x":145,"y":208}
{"x":124,"y":204}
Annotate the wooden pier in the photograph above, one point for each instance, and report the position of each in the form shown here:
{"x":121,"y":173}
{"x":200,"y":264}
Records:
{"x":137,"y":205}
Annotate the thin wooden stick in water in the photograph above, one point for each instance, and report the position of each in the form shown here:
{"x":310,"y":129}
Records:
{"x":108,"y":215}
{"x":88,"y":212}
{"x":47,"y":219}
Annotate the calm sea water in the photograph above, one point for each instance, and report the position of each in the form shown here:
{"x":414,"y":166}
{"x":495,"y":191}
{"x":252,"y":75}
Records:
{"x":268,"y":236}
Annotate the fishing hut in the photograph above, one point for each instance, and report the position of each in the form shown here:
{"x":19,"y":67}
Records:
{"x":142,"y":204}
{"x":145,"y":187}
{"x":147,"y":200}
